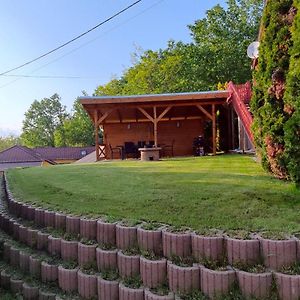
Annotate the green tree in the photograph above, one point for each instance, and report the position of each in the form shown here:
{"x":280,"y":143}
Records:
{"x":41,"y":121}
{"x":292,"y":102}
{"x":8,"y":141}
{"x":216,"y":54}
{"x":221,"y":40}
{"x":275,"y":102}
{"x":77,"y":129}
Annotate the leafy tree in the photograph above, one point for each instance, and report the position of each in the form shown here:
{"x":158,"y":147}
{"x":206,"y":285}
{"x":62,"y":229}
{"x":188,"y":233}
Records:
{"x":217,"y":54}
{"x":222,"y":39}
{"x":292,"y":101}
{"x":42,"y":119}
{"x":77,"y":130}
{"x":275,"y":102}
{"x":8,"y":141}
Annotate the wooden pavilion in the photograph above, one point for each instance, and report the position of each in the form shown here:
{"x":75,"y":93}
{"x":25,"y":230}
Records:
{"x":161,"y":118}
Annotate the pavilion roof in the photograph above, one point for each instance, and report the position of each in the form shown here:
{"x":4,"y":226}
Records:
{"x":148,"y":98}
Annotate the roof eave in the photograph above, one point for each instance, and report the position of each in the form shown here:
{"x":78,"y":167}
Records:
{"x":155,"y":98}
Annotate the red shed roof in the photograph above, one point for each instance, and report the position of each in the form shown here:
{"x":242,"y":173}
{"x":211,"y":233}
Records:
{"x":68,"y":153}
{"x":18,"y":154}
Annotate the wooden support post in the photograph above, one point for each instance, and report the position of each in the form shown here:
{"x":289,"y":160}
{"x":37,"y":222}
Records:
{"x":104,"y":116}
{"x":164,"y":113}
{"x":146,"y":114}
{"x":155,"y":125}
{"x":205,"y":111}
{"x":155,"y":119}
{"x":96,"y":134}
{"x":214,"y":129}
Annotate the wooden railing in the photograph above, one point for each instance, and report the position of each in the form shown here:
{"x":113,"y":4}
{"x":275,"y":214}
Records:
{"x":240,"y":96}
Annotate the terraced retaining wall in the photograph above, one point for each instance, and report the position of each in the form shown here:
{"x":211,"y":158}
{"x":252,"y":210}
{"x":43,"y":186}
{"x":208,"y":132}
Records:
{"x":109,"y":249}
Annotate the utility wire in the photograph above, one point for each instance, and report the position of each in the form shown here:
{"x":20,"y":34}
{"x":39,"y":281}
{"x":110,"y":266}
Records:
{"x":50,"y":76}
{"x":85,"y":44}
{"x":72,"y":40}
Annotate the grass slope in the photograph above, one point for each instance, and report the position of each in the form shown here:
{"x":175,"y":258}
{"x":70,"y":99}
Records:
{"x":226,"y":192}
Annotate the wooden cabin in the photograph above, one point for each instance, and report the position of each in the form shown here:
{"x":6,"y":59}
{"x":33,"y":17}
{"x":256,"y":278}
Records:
{"x":162,"y":120}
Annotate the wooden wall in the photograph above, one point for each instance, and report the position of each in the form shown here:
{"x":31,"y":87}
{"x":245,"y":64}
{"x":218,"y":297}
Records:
{"x":118,"y":133}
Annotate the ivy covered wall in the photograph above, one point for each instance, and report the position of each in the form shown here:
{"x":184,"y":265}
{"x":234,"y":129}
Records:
{"x":276,"y":90}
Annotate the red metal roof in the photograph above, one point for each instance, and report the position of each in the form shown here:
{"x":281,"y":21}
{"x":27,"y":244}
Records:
{"x":68,"y":153}
{"x":18,"y":153}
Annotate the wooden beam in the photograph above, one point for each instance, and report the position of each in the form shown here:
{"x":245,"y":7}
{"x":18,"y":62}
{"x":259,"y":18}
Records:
{"x":96,"y":134}
{"x":146,"y":114}
{"x":90,"y":108}
{"x":145,"y":120}
{"x":163,"y":113}
{"x":103,"y":117}
{"x":155,"y":125}
{"x":205,"y":111}
{"x":119,"y":115}
{"x":214,"y":129}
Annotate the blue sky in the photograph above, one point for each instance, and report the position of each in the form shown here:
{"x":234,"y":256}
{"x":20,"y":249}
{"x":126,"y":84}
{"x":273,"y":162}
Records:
{"x":30,"y":28}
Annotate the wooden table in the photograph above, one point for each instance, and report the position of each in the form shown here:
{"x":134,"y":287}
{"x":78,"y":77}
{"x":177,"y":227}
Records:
{"x":149,"y":154}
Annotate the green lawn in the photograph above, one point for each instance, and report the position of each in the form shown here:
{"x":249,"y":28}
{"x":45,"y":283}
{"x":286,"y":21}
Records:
{"x":226,"y":192}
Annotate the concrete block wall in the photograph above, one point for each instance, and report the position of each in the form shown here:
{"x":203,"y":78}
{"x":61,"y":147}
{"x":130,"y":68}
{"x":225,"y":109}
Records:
{"x":163,"y":244}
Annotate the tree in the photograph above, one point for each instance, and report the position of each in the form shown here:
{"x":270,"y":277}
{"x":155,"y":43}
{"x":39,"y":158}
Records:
{"x":292,"y":102}
{"x":221,"y":40}
{"x":42,"y":119}
{"x":8,"y":141}
{"x":276,"y":98}
{"x":77,"y":129}
{"x":216,"y":54}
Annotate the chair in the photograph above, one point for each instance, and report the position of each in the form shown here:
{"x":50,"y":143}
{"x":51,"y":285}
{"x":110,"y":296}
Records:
{"x":130,"y":149}
{"x":150,"y":144}
{"x":117,"y":150}
{"x":169,"y":148}
{"x":141,"y":144}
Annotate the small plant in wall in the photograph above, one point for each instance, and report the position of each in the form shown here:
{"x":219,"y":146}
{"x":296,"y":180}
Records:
{"x":90,"y":268}
{"x":150,"y":255}
{"x":133,"y":282}
{"x":71,"y":236}
{"x":294,"y":269}
{"x":132,"y":251}
{"x":110,"y":275}
{"x":88,"y":242}
{"x":69,"y":264}
{"x":151,"y":225}
{"x":194,"y":295}
{"x":106,"y":246}
{"x":182,"y":261}
{"x":161,"y":290}
{"x":214,"y":264}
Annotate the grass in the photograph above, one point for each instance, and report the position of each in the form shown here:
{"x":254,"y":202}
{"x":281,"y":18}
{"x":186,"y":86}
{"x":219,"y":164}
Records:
{"x":223,"y":192}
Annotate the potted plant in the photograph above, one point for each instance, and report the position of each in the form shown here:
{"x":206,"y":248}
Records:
{"x":131,"y":288}
{"x":86,"y":251}
{"x":108,"y":285}
{"x":67,"y":276}
{"x":129,"y":262}
{"x":153,"y":269}
{"x":149,"y":237}
{"x":176,"y":242}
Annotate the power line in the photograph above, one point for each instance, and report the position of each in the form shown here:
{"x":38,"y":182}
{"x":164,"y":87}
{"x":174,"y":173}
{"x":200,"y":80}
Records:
{"x":85,"y":44}
{"x":51,"y":76}
{"x":74,"y":39}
